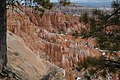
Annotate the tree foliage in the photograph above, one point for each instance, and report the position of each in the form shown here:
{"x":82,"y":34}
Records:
{"x":99,"y":67}
{"x":64,"y":2}
{"x":105,"y":27}
{"x":84,"y":18}
{"x":75,"y":34}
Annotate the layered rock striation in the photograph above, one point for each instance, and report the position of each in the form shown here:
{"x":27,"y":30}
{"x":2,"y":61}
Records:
{"x":49,"y":36}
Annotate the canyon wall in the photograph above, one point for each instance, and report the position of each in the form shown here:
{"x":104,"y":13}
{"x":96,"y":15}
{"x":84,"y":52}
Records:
{"x":49,"y":36}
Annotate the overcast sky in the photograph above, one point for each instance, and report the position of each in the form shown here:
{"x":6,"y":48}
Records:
{"x":85,"y":0}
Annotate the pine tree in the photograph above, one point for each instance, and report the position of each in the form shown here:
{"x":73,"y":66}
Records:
{"x":105,"y":28}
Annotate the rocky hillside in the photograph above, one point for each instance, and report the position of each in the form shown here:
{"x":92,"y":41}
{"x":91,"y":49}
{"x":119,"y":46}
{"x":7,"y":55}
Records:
{"x":47,"y":37}
{"x":27,"y":65}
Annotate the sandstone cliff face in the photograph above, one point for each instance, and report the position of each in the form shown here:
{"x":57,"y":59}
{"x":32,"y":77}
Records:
{"x":26,"y":64}
{"x":55,"y":22}
{"x":47,"y":37}
{"x":39,"y":35}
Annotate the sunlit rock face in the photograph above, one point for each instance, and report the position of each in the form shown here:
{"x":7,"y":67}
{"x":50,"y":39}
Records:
{"x":28,"y":65}
{"x":49,"y":36}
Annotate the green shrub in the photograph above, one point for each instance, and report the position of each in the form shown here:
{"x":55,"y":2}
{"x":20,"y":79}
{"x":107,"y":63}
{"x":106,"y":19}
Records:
{"x":84,"y":18}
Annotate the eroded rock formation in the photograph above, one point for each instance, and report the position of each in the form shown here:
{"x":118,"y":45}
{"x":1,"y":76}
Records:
{"x":38,"y":35}
{"x":49,"y":37}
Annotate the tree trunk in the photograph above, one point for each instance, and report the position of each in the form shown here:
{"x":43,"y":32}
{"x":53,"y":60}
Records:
{"x":3,"y":30}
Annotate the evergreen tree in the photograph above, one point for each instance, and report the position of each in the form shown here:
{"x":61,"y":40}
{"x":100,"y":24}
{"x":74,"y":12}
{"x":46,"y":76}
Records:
{"x":105,"y":27}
